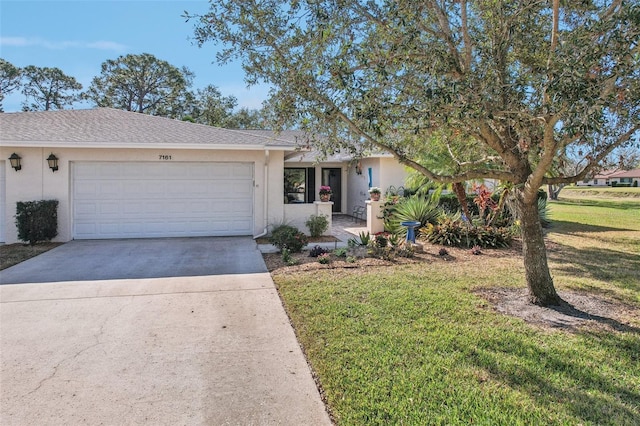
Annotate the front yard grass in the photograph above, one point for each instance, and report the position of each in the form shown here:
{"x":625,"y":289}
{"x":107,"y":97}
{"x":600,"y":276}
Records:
{"x":418,"y":343}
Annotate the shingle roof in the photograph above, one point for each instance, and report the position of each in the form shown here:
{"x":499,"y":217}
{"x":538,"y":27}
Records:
{"x":117,"y":128}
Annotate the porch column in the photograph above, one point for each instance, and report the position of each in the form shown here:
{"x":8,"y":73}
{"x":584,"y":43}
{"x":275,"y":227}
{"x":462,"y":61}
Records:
{"x":375,"y":222}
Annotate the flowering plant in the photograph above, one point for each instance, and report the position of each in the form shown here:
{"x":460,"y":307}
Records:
{"x":375,"y":190}
{"x":325,"y":190}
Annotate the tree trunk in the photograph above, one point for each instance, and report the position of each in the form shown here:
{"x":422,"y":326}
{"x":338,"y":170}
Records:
{"x":554,"y":191}
{"x":461,"y":194}
{"x":539,"y":281}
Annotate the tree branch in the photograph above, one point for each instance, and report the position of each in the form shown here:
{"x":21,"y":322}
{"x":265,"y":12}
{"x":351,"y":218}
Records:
{"x":460,"y":177}
{"x":594,"y":161}
{"x":468,"y":47}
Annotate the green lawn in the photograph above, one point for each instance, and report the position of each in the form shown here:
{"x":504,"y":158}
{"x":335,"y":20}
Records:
{"x":414,"y":345}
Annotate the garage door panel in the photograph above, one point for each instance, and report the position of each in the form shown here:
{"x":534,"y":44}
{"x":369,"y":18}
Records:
{"x":242,"y":189}
{"x":85,"y":228}
{"x":109,"y":208}
{"x":241,"y":169}
{"x":135,"y":200}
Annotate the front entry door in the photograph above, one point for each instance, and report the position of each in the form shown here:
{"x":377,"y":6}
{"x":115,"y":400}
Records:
{"x":333,"y":178}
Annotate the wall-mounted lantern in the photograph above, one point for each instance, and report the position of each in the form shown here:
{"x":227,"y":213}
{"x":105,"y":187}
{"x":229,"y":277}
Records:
{"x":358,"y":168}
{"x":53,"y":162}
{"x":15,"y":161}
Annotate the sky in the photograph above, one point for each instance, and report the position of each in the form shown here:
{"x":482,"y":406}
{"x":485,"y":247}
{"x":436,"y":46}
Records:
{"x":77,"y":36}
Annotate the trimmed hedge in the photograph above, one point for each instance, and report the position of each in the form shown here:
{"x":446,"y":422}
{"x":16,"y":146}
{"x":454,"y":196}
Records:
{"x":37,"y":220}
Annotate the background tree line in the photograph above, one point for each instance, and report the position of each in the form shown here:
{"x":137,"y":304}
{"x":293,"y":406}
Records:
{"x":141,"y":83}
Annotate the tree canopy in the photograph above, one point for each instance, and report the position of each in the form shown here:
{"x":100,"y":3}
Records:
{"x":48,"y":88}
{"x":508,"y":87}
{"x":9,"y":79}
{"x":141,"y":83}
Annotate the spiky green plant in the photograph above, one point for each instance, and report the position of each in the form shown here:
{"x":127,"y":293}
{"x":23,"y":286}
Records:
{"x":416,"y":208}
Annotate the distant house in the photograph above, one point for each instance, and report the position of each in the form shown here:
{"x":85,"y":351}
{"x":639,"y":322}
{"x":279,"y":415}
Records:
{"x":626,"y":178}
{"x":613,"y":178}
{"x":601,"y":179}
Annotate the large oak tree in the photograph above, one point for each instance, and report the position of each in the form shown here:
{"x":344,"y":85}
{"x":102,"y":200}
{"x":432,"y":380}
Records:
{"x":523,"y":81}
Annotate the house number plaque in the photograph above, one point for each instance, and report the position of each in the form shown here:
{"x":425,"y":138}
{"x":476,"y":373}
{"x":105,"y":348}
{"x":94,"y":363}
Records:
{"x":164,"y":157}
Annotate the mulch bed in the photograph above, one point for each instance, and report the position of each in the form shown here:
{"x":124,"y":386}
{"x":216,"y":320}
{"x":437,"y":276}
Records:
{"x":579,"y":311}
{"x":430,"y":253}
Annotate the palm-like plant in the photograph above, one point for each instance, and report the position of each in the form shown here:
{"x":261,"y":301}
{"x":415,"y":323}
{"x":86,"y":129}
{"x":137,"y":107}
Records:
{"x":415,"y":208}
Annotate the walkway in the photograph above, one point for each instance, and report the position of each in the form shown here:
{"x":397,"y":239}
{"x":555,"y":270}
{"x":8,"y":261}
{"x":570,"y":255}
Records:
{"x":345,"y":227}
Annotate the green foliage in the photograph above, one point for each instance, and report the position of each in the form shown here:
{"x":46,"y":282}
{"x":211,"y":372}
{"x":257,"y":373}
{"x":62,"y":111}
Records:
{"x":37,"y":220}
{"x":450,"y":204}
{"x":543,"y":212}
{"x":286,"y":255}
{"x":381,"y":239}
{"x":141,"y":83}
{"x":48,"y":89}
{"x":415,"y":208}
{"x":317,"y":225}
{"x":363,"y":239}
{"x":210,"y":107}
{"x":289,"y":237}
{"x":287,"y":258}
{"x":340,"y":252}
{"x":324,"y":258}
{"x":456,"y":233}
{"x":9,"y":79}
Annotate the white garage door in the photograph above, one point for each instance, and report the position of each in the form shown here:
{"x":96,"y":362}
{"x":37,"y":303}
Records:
{"x":145,"y":200}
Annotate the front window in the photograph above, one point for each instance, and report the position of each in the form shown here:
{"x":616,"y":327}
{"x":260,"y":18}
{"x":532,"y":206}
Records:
{"x":299,"y":185}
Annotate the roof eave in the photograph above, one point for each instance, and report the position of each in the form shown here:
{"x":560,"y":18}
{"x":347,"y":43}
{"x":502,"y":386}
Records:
{"x":122,"y":145}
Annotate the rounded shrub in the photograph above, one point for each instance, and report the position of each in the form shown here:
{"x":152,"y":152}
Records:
{"x":317,"y":224}
{"x":288,"y":237}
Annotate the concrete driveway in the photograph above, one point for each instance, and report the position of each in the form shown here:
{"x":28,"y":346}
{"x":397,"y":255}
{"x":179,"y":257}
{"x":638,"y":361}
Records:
{"x":168,"y":331}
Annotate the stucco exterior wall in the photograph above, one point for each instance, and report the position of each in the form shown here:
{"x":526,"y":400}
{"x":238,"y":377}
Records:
{"x":392,"y":173}
{"x":298,"y":214}
{"x":358,"y":191}
{"x":385,"y":172}
{"x":36,"y":181}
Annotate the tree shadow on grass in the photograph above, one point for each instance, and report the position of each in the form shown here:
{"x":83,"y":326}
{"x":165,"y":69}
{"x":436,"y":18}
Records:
{"x":569,"y":310}
{"x":609,"y":203}
{"x":566,"y":227}
{"x":621,"y":269}
{"x":554,"y":373}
